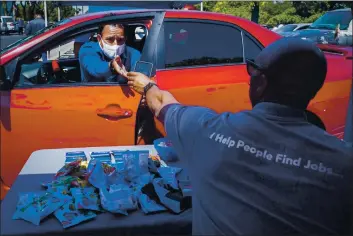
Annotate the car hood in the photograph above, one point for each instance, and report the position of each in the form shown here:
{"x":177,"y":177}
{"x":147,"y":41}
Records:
{"x":315,"y":35}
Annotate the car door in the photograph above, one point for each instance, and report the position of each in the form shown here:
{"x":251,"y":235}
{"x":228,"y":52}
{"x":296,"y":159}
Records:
{"x":203,"y":63}
{"x":44,"y":116}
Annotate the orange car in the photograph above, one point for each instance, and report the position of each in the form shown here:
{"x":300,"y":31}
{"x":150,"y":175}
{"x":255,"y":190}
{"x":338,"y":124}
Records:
{"x":197,"y":56}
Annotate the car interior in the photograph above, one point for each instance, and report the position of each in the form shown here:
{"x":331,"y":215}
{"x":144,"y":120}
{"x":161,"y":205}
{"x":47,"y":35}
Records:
{"x":59,"y":64}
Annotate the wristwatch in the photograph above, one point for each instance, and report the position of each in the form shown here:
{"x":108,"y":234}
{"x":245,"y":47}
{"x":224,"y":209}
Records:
{"x":148,"y":87}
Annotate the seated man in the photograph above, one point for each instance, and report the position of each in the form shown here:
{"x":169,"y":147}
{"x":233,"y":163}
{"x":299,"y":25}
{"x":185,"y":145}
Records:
{"x":99,"y":60}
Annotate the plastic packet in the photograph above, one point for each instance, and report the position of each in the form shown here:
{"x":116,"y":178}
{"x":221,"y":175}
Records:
{"x":170,"y":199}
{"x":119,"y":160}
{"x":67,"y":181}
{"x":69,"y":168}
{"x":101,"y":174}
{"x":165,"y":149}
{"x":24,"y":200}
{"x":168,"y":175}
{"x":153,"y":164}
{"x":42,"y":206}
{"x":85,"y":198}
{"x":104,"y":157}
{"x":131,"y":164}
{"x":68,"y":215}
{"x":142,"y":181}
{"x":74,"y":156}
{"x":118,"y":200}
{"x":184,"y":183}
{"x":149,"y":206}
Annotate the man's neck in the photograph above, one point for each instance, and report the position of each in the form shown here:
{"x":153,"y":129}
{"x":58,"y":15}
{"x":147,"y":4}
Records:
{"x":291,"y":104}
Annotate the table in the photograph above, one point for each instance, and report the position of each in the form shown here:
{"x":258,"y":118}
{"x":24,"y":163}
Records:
{"x":43,"y":164}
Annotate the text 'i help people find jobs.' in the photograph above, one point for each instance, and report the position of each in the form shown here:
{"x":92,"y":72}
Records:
{"x":279,"y":158}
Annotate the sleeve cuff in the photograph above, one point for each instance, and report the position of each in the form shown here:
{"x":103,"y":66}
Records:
{"x":162,"y":114}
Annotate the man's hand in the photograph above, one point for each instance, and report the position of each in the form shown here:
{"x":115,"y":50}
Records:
{"x":337,"y":31}
{"x":119,"y":66}
{"x":138,"y":81}
{"x":156,"y":98}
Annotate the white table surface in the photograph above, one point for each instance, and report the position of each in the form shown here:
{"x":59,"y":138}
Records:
{"x":49,"y":161}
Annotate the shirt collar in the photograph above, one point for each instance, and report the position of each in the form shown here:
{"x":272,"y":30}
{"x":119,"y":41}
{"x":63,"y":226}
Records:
{"x":124,"y":54}
{"x":280,"y":111}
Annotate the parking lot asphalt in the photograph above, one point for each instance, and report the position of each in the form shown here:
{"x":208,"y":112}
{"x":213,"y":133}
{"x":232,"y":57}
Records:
{"x":6,"y":40}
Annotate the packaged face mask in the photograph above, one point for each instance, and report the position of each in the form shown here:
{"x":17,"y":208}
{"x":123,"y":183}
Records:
{"x":74,"y":156}
{"x":41,"y":206}
{"x":101,"y":174}
{"x":68,"y":215}
{"x":69,"y":168}
{"x":85,"y":199}
{"x":131,"y":164}
{"x":184,"y":183}
{"x":67,"y":181}
{"x":24,"y":200}
{"x":168,"y":175}
{"x":170,"y":199}
{"x":149,"y":206}
{"x":104,"y":157}
{"x":118,"y":200}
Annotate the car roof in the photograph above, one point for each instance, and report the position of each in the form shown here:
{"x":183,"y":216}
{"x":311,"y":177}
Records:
{"x":343,"y":9}
{"x":263,"y":35}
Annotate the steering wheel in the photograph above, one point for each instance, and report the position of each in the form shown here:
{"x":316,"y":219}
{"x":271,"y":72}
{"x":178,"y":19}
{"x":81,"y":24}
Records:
{"x":50,"y":73}
{"x":42,"y":75}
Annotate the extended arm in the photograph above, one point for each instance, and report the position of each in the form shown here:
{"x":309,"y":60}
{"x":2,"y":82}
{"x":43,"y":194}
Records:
{"x":156,"y":98}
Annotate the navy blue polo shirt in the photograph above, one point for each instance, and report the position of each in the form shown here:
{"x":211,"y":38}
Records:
{"x":266,"y":171}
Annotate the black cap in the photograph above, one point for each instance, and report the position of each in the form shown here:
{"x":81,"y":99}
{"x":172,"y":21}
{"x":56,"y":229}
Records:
{"x":293,"y":62}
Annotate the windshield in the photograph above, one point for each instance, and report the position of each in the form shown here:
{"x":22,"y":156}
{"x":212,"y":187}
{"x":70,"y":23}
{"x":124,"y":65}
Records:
{"x":286,"y":28}
{"x":330,"y":20}
{"x":26,"y":39}
{"x":6,"y":20}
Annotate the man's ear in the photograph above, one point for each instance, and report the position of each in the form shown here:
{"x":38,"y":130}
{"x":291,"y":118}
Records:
{"x":261,"y":84}
{"x":99,"y":39}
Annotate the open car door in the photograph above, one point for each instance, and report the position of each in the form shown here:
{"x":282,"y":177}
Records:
{"x":70,"y":113}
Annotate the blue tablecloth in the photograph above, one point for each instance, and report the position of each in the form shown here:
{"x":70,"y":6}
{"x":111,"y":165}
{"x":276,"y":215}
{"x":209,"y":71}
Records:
{"x":136,"y":223}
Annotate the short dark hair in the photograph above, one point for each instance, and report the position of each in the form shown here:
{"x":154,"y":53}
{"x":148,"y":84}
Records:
{"x":39,"y":12}
{"x":101,"y":27}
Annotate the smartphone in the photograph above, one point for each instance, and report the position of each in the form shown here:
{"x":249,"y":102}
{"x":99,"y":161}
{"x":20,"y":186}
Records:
{"x":144,"y":68}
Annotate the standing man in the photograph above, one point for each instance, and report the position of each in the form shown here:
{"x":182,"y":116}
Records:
{"x":21,"y":25}
{"x":37,"y":24}
{"x":34,"y":26}
{"x":108,"y":59}
{"x":266,"y":171}
{"x":344,"y":37}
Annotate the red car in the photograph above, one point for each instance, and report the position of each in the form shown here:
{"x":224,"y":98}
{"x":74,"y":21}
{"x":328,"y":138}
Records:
{"x":198,"y":56}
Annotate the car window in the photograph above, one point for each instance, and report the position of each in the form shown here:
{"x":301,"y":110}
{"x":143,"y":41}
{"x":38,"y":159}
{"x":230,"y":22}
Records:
{"x":197,"y":44}
{"x":55,"y":65}
{"x":251,"y":49}
{"x":8,"y":20}
{"x":58,"y":63}
{"x":26,"y":39}
{"x":286,"y":28}
{"x":303,"y":27}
